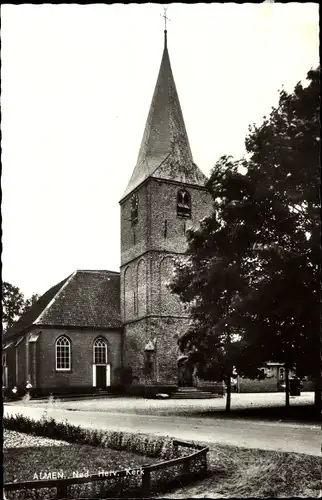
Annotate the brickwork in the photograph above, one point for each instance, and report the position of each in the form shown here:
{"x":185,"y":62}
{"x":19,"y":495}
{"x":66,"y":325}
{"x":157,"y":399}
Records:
{"x":33,"y":363}
{"x":149,"y":310}
{"x":134,"y":238}
{"x":169,"y":303}
{"x":82,"y":357}
{"x":165,"y":333}
{"x":164,"y":208}
{"x":27,"y":359}
{"x":136,"y":336}
{"x":157,"y":205}
{"x":11,"y":364}
{"x":142,"y":288}
{"x":128,"y":292}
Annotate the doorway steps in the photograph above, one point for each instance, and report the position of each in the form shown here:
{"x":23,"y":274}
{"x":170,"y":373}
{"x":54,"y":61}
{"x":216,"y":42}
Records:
{"x":193,"y":393}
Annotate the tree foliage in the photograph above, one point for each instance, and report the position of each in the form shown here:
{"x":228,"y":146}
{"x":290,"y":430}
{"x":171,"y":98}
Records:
{"x":284,"y":163}
{"x":14,"y":304}
{"x":252,"y":267}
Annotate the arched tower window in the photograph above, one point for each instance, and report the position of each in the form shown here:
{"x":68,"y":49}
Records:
{"x":183,"y":204}
{"x":134,"y":209}
{"x":63,"y":354}
{"x":100,"y":352}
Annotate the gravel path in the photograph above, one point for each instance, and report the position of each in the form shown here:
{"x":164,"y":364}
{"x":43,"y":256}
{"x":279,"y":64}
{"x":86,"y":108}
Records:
{"x":176,"y":407}
{"x":13,"y":439}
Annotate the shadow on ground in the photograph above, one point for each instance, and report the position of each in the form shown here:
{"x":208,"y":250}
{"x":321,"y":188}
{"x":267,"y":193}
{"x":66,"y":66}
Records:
{"x":250,"y":473}
{"x":304,"y":413}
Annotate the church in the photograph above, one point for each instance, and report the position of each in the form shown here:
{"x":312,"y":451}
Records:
{"x":104,"y":329}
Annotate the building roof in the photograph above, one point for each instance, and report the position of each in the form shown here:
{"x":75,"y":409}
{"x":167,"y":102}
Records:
{"x":165,"y":150}
{"x":84,"y":299}
{"x":30,"y":316}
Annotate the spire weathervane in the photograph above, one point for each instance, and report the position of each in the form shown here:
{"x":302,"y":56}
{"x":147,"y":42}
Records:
{"x":165,"y":17}
{"x":165,"y":24}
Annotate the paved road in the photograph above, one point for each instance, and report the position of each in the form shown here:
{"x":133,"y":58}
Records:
{"x":249,"y":434}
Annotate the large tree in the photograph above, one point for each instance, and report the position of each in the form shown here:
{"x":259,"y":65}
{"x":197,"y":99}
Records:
{"x":12,"y":304}
{"x":284,"y":160}
{"x":213,"y":278}
{"x":264,"y":232}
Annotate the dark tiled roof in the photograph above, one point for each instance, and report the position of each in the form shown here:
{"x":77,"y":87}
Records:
{"x":84,"y":299}
{"x":27,"y":319}
{"x":165,"y":151}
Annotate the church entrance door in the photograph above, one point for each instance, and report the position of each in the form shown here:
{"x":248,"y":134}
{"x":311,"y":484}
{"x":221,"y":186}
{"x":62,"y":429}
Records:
{"x":101,"y":376}
{"x":185,"y":376}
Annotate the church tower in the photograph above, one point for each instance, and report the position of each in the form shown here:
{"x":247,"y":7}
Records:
{"x":164,"y":197}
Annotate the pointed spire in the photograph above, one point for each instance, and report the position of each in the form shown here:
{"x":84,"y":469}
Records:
{"x":165,"y":151}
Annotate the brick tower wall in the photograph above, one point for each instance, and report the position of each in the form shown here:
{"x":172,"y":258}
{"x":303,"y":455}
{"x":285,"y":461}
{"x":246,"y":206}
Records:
{"x":148,"y":250}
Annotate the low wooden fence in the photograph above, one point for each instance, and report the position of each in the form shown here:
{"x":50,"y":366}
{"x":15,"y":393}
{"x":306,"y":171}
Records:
{"x":142,"y":480}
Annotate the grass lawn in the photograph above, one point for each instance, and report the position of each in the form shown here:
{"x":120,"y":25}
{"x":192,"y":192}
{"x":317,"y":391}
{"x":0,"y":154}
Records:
{"x":241,"y":473}
{"x":301,"y":413}
{"x":20,"y":464}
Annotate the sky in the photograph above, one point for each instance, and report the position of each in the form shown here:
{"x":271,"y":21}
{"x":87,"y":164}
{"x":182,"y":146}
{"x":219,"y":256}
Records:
{"x":77,"y":82}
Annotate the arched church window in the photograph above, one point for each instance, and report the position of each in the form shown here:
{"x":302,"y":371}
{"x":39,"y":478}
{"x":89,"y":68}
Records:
{"x":183,"y":203}
{"x":100,"y":352}
{"x":63,"y":354}
{"x":134,"y":209}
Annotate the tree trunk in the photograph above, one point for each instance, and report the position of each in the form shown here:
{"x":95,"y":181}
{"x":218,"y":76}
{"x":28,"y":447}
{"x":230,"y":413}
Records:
{"x":287,"y":387}
{"x":318,"y":392}
{"x":228,"y":394}
{"x":317,"y":378}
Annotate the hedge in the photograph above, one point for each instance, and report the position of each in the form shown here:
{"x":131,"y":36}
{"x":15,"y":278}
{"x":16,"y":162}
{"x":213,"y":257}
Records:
{"x":150,"y":446}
